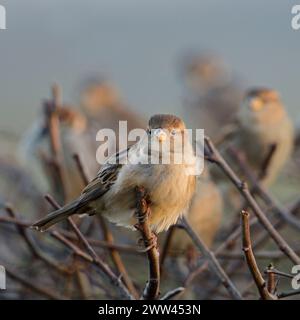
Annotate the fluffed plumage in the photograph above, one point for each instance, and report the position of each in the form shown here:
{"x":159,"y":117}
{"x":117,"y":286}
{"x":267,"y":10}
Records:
{"x":205,"y":215}
{"x":112,"y":192}
{"x":263,"y":123}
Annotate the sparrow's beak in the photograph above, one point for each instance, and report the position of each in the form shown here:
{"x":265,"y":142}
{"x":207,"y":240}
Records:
{"x":160,"y":135}
{"x":255,"y":104}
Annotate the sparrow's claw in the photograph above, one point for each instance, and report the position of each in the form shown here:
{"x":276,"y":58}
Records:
{"x":137,"y":227}
{"x":151,"y":243}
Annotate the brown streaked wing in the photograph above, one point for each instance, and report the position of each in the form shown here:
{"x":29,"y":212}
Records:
{"x":107,"y":175}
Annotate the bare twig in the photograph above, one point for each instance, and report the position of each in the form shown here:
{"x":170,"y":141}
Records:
{"x":81,"y":170}
{"x":108,"y":236}
{"x":129,"y":249}
{"x":214,"y":156}
{"x":288,"y":294}
{"x":280,"y":273}
{"x":294,"y":208}
{"x":267,"y":161}
{"x":213,"y":262}
{"x":203,"y":267}
{"x":52,"y":121}
{"x":70,"y":235}
{"x":82,"y":284}
{"x":271,"y":255}
{"x":252,"y":265}
{"x":57,"y":235}
{"x":32,"y":286}
{"x":53,"y":125}
{"x":166,"y":246}
{"x":262,"y":174}
{"x":14,"y":221}
{"x":118,"y":262}
{"x":151,"y":291}
{"x":95,"y":258}
{"x":271,"y":281}
{"x":173,"y":293}
{"x":262,"y":192}
{"x":33,"y":247}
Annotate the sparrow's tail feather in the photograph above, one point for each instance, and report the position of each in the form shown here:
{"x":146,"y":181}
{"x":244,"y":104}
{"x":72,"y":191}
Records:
{"x":78,"y":206}
{"x":59,"y":215}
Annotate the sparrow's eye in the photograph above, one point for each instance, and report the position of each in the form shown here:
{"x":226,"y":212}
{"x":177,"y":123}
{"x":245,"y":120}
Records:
{"x":256,"y":104}
{"x":173,"y":132}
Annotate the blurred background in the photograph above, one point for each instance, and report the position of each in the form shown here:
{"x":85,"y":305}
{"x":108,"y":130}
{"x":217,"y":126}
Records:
{"x":137,"y":44}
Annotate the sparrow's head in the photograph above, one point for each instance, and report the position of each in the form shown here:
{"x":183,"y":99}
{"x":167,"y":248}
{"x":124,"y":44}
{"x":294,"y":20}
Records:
{"x":166,"y":142}
{"x":204,"y":71}
{"x":262,"y":105}
{"x":98,"y":95}
{"x":71,"y":119}
{"x":165,"y":127}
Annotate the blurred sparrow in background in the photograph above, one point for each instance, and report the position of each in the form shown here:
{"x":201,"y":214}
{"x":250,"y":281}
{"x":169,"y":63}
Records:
{"x":104,"y":108}
{"x":263,"y":124}
{"x":203,"y":71}
{"x":297,"y":141}
{"x":213,"y":97}
{"x":74,"y":138}
{"x":112,"y":192}
{"x":205,"y":215}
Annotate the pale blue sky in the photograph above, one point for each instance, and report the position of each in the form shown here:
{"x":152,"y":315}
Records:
{"x":137,"y":43}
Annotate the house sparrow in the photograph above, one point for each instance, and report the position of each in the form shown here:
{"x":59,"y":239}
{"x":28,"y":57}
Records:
{"x":203,"y":71}
{"x":205,"y":214}
{"x":104,"y":108}
{"x":263,"y":124}
{"x":212,"y":96}
{"x":170,"y":187}
{"x":74,"y":138}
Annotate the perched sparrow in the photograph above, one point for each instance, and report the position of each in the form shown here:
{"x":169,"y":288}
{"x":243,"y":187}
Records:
{"x":104,"y":107}
{"x":203,"y":71}
{"x":170,"y":187}
{"x":204,"y":215}
{"x":263,"y":124}
{"x":74,"y":139}
{"x":212,"y":96}
{"x":96,"y":94}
